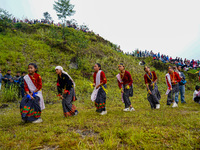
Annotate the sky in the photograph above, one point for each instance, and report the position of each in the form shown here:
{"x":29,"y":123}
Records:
{"x":171,"y":27}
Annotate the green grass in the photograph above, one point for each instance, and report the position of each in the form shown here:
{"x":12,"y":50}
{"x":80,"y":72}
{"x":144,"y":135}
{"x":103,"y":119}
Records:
{"x":166,"y":128}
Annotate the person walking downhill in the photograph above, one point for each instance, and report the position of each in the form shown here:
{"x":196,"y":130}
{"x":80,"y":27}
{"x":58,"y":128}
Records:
{"x":125,"y":83}
{"x":99,"y":93}
{"x":153,"y":95}
{"x":66,"y":91}
{"x":33,"y":103}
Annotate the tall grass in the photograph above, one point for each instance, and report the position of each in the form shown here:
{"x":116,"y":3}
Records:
{"x":9,"y":94}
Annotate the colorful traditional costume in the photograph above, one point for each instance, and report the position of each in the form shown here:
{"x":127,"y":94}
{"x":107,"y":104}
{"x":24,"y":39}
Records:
{"x":154,"y":97}
{"x":172,"y":81}
{"x":99,"y":94}
{"x":66,"y":85}
{"x":31,"y":108}
{"x":123,"y":81}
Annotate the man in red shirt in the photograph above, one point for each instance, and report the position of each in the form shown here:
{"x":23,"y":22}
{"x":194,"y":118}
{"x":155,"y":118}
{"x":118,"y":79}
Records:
{"x":172,"y":80}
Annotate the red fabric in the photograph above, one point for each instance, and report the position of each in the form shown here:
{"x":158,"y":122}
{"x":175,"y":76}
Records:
{"x":37,"y":81}
{"x":102,"y":77}
{"x":146,"y":78}
{"x":176,"y":79}
{"x":127,"y":79}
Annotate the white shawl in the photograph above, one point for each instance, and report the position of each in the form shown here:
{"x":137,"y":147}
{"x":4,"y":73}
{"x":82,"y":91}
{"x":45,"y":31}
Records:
{"x":95,"y":91}
{"x":167,"y":77}
{"x":32,"y":88}
{"x":120,"y":80}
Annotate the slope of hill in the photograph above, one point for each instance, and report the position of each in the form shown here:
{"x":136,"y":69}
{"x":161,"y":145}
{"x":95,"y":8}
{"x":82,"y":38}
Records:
{"x":166,"y":128}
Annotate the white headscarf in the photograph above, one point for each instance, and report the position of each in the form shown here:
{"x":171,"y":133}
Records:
{"x":61,"y":68}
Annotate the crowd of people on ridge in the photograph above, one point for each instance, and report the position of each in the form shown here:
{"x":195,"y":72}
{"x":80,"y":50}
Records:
{"x":185,"y":63}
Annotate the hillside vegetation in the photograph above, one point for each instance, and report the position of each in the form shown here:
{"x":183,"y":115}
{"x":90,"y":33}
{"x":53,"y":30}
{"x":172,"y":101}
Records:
{"x":166,"y":128}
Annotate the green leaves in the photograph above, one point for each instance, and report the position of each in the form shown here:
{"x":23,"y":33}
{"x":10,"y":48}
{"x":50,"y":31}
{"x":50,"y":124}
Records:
{"x":47,"y":16}
{"x":63,"y":9}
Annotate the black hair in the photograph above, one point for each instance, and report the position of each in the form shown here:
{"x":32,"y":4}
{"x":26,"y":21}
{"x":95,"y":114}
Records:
{"x":18,"y":71}
{"x":23,"y":72}
{"x":34,"y":65}
{"x":99,"y":65}
{"x":121,"y":64}
{"x":197,"y":87}
{"x":8,"y":70}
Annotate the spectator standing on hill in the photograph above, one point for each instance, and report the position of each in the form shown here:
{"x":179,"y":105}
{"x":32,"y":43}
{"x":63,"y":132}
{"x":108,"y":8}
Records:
{"x":1,"y":78}
{"x":159,"y":55}
{"x":138,"y":53}
{"x":181,"y":85}
{"x":8,"y":79}
{"x":16,"y":82}
{"x":21,"y":84}
{"x":196,"y":94}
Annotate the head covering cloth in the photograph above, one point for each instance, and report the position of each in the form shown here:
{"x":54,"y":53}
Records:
{"x":61,"y":68}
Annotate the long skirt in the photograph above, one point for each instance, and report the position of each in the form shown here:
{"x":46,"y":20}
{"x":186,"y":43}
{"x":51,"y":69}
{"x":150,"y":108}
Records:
{"x":100,"y":101}
{"x":30,"y":109}
{"x":172,"y":94}
{"x":154,"y":97}
{"x":69,"y":109}
{"x":127,"y":93}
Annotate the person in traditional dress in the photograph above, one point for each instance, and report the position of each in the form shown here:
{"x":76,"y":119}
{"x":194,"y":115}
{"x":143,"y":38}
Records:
{"x":153,"y":95}
{"x":66,"y":91}
{"x":99,"y":93}
{"x":33,"y":103}
{"x":125,"y":84}
{"x":172,"y":80}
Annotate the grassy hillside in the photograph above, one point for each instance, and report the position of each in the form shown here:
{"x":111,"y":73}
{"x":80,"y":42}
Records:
{"x":166,"y":128}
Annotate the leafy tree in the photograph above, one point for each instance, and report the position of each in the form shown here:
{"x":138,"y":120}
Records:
{"x":64,"y":9}
{"x":47,"y":16}
{"x":5,"y":20}
{"x":4,"y":14}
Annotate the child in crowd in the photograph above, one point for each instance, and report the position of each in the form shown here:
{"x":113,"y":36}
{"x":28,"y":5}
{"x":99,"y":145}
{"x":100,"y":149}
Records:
{"x":196,"y":94}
